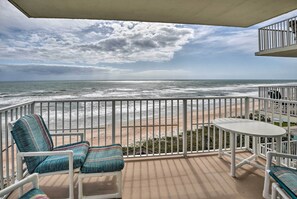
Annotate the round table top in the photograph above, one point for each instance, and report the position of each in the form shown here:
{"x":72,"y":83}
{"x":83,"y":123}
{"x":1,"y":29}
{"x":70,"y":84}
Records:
{"x":249,"y":127}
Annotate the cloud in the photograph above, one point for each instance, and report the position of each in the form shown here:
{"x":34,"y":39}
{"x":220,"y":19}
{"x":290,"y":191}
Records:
{"x":243,"y":40}
{"x":62,"y":72}
{"x":87,"y":41}
{"x":56,"y":72}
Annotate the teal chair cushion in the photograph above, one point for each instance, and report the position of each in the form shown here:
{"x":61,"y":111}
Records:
{"x":104,"y":159}
{"x":286,"y":178}
{"x":61,"y":163}
{"x":31,"y":134}
{"x":34,"y":194}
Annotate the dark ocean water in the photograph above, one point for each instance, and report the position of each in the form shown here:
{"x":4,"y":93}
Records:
{"x":18,"y":92}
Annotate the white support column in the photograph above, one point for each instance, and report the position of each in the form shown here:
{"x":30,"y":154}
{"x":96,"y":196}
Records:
{"x":185,"y":127}
{"x":233,"y":146}
{"x":220,"y":142}
{"x":113,"y":122}
{"x":278,"y":149}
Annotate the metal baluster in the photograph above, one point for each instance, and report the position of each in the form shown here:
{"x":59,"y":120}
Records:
{"x":1,"y":154}
{"x":171,"y":126}
{"x":165,"y":127}
{"x":92,"y":115}
{"x":140,"y":130}
{"x":121,"y":122}
{"x":208,"y":125}
{"x":12,"y":150}
{"x":159,"y":127}
{"x":85,"y":120}
{"x":153,"y":127}
{"x":147,"y":125}
{"x":48,"y":115}
{"x":134,"y":128}
{"x":203,"y":125}
{"x":99,"y":115}
{"x":213,"y":128}
{"x":177,"y":112}
{"x":77,"y":117}
{"x":63,"y":121}
{"x":197,"y":125}
{"x":128,"y":128}
{"x":7,"y":148}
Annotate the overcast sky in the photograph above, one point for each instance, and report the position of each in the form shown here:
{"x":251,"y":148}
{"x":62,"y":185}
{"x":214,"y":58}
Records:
{"x":55,"y":49}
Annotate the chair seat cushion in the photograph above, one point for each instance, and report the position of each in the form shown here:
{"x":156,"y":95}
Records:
{"x":286,"y":178}
{"x":104,"y":159}
{"x":34,"y":194}
{"x":60,"y":163}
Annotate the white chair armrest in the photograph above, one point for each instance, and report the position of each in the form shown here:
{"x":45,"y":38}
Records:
{"x":270,"y":154}
{"x":45,"y":153}
{"x":31,"y":178}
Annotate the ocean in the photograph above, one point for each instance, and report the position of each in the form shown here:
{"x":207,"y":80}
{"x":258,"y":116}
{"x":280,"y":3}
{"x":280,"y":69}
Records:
{"x":17,"y":92}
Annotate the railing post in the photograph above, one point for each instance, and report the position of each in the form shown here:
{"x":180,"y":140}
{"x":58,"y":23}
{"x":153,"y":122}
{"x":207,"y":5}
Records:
{"x":247,"y":117}
{"x":288,"y":33}
{"x":259,"y":39}
{"x":1,"y":155}
{"x":113,"y":125}
{"x":32,"y":108}
{"x":185,"y":127}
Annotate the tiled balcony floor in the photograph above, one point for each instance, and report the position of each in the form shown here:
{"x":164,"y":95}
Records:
{"x":193,"y":177}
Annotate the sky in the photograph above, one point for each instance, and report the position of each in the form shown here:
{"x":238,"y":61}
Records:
{"x":65,"y":49}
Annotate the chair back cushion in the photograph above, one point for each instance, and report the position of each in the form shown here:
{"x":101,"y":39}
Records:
{"x":31,"y":134}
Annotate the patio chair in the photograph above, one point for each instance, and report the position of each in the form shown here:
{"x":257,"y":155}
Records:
{"x":285,"y":177}
{"x":35,"y":192}
{"x":35,"y":146}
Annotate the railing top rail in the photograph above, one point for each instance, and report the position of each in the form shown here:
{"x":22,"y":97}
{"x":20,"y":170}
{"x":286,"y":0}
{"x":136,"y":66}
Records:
{"x":275,"y":100}
{"x":139,"y":99}
{"x":15,"y":106}
{"x":281,"y":86}
{"x":295,"y":17}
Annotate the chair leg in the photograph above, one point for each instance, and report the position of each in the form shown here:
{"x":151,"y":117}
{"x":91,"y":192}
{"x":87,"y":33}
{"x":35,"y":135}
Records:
{"x":120,"y":184}
{"x":20,"y":173}
{"x":273,"y":190}
{"x":71,"y":184}
{"x":80,"y":187}
{"x":266,"y":185}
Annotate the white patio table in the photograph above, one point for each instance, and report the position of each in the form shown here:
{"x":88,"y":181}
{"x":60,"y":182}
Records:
{"x":250,"y":128}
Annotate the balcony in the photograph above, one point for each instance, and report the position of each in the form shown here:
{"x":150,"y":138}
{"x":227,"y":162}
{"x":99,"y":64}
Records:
{"x":170,"y":144}
{"x":285,"y":92}
{"x":279,"y":39}
{"x":192,"y":177}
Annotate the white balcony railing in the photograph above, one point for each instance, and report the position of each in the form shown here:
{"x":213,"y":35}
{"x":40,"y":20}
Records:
{"x":278,"y":92}
{"x":278,"y":35}
{"x":147,"y":127}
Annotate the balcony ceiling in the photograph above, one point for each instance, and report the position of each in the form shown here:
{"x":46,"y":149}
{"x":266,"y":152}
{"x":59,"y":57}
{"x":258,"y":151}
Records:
{"x":241,"y":13}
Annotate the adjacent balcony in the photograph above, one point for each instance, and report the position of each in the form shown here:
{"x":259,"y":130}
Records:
{"x":278,"y":92}
{"x":279,"y":39}
{"x":170,"y":145}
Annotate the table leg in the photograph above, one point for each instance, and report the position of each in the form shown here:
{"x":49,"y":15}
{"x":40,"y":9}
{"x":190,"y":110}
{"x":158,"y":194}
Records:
{"x":220,"y":142}
{"x":256,"y":151}
{"x":233,"y":146}
{"x":278,"y":149}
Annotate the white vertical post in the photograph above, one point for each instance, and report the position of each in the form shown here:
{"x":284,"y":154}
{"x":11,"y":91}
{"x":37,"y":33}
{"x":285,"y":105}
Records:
{"x":233,"y":146}
{"x":247,"y":117}
{"x":220,"y":142}
{"x":259,"y":39}
{"x":278,"y":149}
{"x":32,"y":108}
{"x":185,"y":127}
{"x":113,"y":125}
{"x":288,"y":33}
